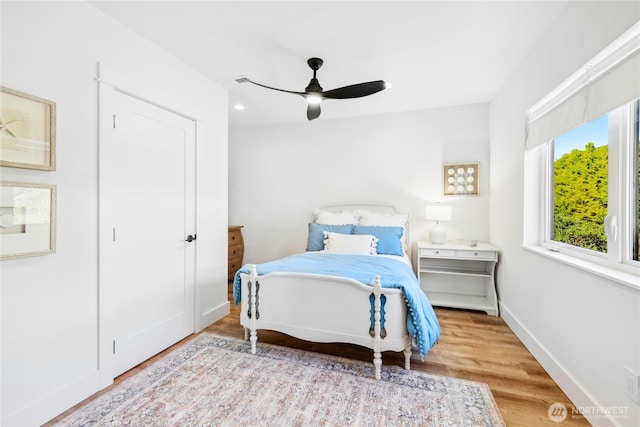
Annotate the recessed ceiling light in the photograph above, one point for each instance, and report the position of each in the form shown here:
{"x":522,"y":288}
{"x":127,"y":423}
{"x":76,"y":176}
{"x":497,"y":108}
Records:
{"x":238,"y":107}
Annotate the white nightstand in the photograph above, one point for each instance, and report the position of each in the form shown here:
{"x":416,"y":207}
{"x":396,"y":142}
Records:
{"x":459,"y":276}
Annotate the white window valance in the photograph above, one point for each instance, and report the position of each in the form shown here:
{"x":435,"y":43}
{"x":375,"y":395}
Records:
{"x":609,"y":80}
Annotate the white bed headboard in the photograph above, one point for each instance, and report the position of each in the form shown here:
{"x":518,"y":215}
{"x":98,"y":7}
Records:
{"x":372,"y":207}
{"x":377,"y":208}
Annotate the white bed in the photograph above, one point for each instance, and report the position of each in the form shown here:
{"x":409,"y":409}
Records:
{"x":328,"y":308}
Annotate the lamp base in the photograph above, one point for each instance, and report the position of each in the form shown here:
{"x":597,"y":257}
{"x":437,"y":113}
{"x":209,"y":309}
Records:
{"x":437,"y":235}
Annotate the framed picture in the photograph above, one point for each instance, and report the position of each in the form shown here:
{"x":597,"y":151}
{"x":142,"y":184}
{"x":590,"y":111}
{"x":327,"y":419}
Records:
{"x":27,"y":131}
{"x":461,"y":179}
{"x":27,"y":219}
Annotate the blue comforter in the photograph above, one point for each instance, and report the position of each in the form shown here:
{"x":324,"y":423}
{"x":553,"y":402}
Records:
{"x":421,"y":320}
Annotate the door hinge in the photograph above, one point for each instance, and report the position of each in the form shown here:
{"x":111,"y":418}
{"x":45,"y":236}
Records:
{"x":114,"y":234}
{"x":114,"y":121}
{"x":114,"y":346}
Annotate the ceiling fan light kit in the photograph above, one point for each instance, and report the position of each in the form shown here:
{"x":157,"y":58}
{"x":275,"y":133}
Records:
{"x":314,"y":93}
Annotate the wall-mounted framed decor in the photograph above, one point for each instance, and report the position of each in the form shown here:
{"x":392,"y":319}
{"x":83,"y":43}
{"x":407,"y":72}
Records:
{"x":27,"y":219}
{"x":27,"y":131}
{"x":461,"y":179}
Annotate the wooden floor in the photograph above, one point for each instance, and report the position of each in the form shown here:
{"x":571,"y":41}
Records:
{"x":473,"y":346}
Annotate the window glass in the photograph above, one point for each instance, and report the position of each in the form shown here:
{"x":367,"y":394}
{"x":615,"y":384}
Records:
{"x":580,"y":186}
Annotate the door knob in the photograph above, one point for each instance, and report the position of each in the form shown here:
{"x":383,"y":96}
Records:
{"x":190,"y":238}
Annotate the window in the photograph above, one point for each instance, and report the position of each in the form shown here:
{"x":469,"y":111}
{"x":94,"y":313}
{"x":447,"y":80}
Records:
{"x":581,"y":166}
{"x":592,"y":196}
{"x":580,"y":186}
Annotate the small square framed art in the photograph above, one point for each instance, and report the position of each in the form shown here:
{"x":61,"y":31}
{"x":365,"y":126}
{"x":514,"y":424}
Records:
{"x":461,"y":179}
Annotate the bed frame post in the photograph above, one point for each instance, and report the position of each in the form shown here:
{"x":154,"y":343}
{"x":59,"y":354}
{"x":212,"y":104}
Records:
{"x":407,"y":357}
{"x":377,"y":341}
{"x":253,"y":279}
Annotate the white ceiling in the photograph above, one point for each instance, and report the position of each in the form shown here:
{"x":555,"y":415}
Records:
{"x":435,"y":54}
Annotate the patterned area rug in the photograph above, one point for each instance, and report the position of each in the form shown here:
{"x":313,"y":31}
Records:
{"x":216,"y":381}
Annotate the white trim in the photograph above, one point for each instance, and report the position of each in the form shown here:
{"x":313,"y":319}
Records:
{"x":212,"y":315}
{"x":53,"y":403}
{"x":578,"y":395}
{"x":628,"y":188}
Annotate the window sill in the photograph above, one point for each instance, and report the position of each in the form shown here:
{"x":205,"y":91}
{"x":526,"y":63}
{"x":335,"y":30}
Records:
{"x":629,"y":280}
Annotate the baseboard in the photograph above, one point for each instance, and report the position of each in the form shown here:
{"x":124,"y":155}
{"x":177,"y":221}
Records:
{"x":577,"y":394}
{"x":212,"y":315}
{"x":54,"y":403}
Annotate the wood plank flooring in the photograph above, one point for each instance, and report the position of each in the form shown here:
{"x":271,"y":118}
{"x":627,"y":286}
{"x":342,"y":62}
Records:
{"x":473,"y":346}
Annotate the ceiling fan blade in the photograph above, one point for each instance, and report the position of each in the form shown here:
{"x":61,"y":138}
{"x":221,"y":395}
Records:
{"x":355,"y":91}
{"x":244,"y":79}
{"x":313,"y":111}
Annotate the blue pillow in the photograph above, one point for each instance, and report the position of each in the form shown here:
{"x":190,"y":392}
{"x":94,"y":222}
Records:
{"x":316,"y":234}
{"x":388,"y":237}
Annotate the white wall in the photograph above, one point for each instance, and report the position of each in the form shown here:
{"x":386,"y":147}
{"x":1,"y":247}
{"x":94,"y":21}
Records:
{"x":279,"y":174}
{"x":582,"y":328}
{"x":49,"y":306}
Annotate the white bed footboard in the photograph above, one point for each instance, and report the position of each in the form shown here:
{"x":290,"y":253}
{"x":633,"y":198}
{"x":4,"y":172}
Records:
{"x":322,"y":308}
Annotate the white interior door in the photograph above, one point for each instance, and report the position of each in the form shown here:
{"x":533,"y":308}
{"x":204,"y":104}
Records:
{"x":153,"y":190}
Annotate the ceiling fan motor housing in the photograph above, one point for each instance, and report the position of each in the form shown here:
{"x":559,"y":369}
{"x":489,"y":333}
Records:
{"x":314,"y":86}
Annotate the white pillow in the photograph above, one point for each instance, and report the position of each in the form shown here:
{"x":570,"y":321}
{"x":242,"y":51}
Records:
{"x":334,"y":218}
{"x":353,"y":244}
{"x":380,"y":219}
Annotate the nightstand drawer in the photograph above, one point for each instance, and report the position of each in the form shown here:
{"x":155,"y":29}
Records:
{"x":477,"y":254}
{"x":437,"y":252}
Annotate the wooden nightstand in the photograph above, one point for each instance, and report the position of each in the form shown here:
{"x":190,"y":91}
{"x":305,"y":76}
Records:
{"x":458,"y":276}
{"x":236,"y":250}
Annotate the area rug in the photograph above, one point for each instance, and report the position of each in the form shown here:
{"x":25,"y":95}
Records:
{"x":216,"y":381}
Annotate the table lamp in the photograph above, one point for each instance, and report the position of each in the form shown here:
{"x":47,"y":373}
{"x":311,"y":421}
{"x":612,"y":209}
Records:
{"x":437,"y":213}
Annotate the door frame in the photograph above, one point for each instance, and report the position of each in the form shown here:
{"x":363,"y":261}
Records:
{"x":111,"y":82}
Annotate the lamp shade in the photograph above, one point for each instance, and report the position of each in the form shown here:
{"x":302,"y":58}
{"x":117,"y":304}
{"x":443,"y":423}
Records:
{"x":437,"y":213}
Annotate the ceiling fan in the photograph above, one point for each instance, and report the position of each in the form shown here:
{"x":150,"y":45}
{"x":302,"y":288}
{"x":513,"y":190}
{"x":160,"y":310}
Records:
{"x":314,"y":94}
